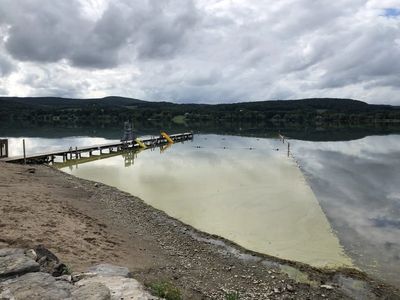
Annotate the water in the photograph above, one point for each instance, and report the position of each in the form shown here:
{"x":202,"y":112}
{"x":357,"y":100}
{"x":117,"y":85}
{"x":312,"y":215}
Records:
{"x":340,"y":208}
{"x":357,"y":184}
{"x":246,"y":192}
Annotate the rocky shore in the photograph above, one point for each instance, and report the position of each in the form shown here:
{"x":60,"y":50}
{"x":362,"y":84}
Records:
{"x":37,"y":274}
{"x":86,"y":224}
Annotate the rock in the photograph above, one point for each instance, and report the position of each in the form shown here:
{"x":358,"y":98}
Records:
{"x":35,"y":286}
{"x":109,"y":270}
{"x":17,"y":264}
{"x":32,"y":254}
{"x":79,"y":276}
{"x":326,"y":286}
{"x":4,"y":245}
{"x":290,"y":288}
{"x":92,"y":291}
{"x":120,"y":287}
{"x":67,"y":278}
{"x":42,"y":252}
{"x":11,"y":251}
{"x":49,"y":263}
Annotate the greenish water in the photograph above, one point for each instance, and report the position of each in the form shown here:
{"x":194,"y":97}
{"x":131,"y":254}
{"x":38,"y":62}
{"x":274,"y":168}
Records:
{"x":331,"y":204}
{"x":244,"y":189}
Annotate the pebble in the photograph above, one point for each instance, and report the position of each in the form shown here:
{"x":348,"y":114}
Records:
{"x":32,"y":254}
{"x":326,"y":286}
{"x":290,"y":288}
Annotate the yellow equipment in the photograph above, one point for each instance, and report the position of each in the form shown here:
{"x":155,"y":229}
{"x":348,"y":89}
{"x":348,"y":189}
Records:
{"x":167,"y":137}
{"x":141,"y":144}
{"x":165,"y":147}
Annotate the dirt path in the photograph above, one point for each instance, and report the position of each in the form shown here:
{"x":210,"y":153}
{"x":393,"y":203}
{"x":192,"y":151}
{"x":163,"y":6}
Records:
{"x":86,"y":223}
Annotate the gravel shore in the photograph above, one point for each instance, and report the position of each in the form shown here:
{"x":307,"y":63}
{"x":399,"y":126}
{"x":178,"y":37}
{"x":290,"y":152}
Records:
{"x":87,"y":223}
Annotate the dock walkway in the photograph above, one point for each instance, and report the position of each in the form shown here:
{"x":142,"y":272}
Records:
{"x":77,"y":152}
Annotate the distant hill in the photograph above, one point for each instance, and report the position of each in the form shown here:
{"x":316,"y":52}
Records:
{"x":113,"y":111}
{"x":113,"y":101}
{"x":57,"y":102}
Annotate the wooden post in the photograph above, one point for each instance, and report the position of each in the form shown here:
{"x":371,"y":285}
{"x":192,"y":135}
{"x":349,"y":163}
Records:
{"x":288,"y":149}
{"x":23,"y":147}
{"x":3,"y":147}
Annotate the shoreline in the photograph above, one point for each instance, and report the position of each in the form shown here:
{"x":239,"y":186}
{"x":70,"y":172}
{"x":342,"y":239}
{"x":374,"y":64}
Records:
{"x":85,"y":222}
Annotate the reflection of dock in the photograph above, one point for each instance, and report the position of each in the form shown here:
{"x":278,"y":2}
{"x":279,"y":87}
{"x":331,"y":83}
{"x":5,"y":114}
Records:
{"x":86,"y":154}
{"x":129,"y":157}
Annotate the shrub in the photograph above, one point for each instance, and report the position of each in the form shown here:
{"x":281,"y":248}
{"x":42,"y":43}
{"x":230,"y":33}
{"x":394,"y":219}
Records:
{"x":165,"y":290}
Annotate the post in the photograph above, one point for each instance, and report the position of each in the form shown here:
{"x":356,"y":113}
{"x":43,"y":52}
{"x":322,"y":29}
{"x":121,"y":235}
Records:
{"x":23,"y":146}
{"x":288,"y":149}
{"x":7,"y":148}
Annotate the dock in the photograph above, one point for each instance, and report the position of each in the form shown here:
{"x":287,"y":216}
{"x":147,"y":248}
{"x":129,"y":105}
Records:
{"x":96,"y":150}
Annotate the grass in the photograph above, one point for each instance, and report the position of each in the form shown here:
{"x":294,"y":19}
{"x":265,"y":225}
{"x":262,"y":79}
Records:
{"x":165,"y":290}
{"x":180,"y":119}
{"x":232,"y":296}
{"x":65,"y":270}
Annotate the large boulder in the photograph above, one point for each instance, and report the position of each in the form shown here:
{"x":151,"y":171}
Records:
{"x":109,"y":270}
{"x":11,"y":251}
{"x":16,"y":264}
{"x":35,"y":286}
{"x":92,"y":291}
{"x":21,"y":277}
{"x":119,"y":287}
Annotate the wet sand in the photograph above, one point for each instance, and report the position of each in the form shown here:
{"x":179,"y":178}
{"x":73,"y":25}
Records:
{"x":86,"y":223}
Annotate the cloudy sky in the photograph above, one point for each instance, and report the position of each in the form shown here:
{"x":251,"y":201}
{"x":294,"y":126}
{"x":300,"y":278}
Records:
{"x":201,"y":50}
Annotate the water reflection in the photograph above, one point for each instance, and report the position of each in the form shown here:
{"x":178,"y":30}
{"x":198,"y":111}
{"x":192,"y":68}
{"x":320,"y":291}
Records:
{"x":357,"y":185}
{"x":240,"y":188}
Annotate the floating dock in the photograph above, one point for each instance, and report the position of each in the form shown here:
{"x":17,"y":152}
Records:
{"x":96,"y":150}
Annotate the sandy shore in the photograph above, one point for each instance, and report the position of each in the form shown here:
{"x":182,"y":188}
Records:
{"x":85,"y":223}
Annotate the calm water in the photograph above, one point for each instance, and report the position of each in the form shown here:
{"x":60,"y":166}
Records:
{"x":357,"y":184}
{"x":340,"y":207}
{"x":257,"y":198}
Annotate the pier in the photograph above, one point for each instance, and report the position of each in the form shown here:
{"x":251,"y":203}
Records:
{"x":96,"y":150}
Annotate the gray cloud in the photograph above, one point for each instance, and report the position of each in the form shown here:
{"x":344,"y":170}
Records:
{"x":202,"y":50}
{"x":6,"y":66}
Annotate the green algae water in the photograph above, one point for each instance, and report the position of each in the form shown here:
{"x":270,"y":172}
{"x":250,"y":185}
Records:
{"x":245,"y":190}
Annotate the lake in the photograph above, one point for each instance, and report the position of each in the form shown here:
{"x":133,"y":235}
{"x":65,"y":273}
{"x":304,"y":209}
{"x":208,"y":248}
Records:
{"x":328,"y":204}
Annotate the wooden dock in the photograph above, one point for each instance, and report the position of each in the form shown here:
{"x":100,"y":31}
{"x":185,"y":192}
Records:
{"x":96,"y":150}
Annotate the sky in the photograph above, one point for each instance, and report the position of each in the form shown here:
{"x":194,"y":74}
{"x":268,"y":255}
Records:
{"x":208,"y":51}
